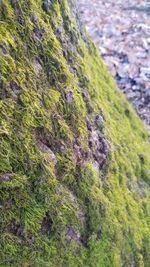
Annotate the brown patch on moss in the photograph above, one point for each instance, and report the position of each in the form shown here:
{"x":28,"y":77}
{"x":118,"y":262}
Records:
{"x":72,"y":235}
{"x":46,"y":225}
{"x":15,"y":88}
{"x":38,"y":33}
{"x":6,"y":177}
{"x":81,"y":155}
{"x":44,"y":145}
{"x":87,"y":101}
{"x":97,"y":143}
{"x":15,"y":229}
{"x":3,"y":49}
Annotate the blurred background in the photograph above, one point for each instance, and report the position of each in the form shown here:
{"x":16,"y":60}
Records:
{"x":121,"y":31}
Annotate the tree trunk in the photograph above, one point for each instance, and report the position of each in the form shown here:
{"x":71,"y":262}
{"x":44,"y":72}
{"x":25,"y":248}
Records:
{"x":74,"y":157}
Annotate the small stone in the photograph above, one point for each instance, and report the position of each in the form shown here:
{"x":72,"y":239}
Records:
{"x":131,"y":95}
{"x":134,"y":71}
{"x":146,"y":71}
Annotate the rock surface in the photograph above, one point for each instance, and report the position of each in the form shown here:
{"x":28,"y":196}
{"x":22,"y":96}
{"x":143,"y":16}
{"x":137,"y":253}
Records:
{"x":121,"y":30}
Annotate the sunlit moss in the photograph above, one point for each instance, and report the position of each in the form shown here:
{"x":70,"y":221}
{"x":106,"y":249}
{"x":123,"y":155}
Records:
{"x":57,"y":208}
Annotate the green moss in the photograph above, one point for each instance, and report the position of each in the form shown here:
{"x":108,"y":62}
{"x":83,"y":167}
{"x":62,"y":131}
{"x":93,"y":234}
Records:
{"x":57,"y":208}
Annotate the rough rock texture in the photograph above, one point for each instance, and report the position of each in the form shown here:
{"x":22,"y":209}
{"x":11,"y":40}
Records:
{"x":74,"y":157}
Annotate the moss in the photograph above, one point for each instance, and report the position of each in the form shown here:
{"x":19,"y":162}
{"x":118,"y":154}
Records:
{"x":58,"y":206}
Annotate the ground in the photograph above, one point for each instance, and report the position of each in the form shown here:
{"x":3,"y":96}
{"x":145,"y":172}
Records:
{"x":121,"y":31}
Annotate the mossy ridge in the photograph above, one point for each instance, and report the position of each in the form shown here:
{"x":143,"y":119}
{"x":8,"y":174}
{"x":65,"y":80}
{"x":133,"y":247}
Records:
{"x":56,"y":211}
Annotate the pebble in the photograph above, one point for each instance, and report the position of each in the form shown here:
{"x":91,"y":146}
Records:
{"x":121,"y":31}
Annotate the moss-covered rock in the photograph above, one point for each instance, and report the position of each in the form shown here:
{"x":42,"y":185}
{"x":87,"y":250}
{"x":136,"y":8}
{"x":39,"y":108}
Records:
{"x":74,"y":157}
